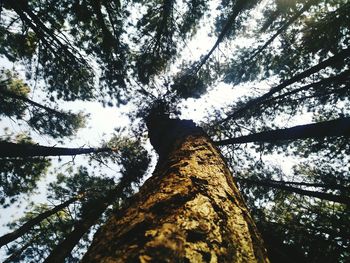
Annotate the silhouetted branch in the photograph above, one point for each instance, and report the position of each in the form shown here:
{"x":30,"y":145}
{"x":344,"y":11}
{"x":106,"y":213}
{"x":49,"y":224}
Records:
{"x":29,"y":101}
{"x":318,"y":185}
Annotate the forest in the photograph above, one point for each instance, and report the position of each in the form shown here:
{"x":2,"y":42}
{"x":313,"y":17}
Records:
{"x":230,"y":141}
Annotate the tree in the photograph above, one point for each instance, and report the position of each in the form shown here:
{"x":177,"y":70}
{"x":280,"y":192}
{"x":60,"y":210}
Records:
{"x":180,"y":214}
{"x":291,"y":58}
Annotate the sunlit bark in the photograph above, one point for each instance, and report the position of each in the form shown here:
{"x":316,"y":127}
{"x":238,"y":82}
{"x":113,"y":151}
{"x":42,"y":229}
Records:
{"x":190,"y":210}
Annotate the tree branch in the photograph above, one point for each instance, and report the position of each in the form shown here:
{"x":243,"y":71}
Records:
{"x":10,"y":94}
{"x":284,"y":27}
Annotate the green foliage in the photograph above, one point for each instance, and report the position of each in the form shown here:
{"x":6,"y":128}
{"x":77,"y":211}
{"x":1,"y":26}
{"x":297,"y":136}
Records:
{"x":295,"y":227}
{"x":14,"y":103}
{"x":228,"y":8}
{"x":44,"y":236}
{"x":56,"y":125}
{"x":94,"y":191}
{"x":20,"y":175}
{"x":189,"y":86}
{"x":131,"y":157}
{"x":160,"y":46}
{"x":195,"y":10}
{"x":12,"y":83}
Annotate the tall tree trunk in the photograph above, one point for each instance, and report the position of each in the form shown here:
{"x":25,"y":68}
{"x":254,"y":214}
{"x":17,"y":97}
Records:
{"x":64,"y":248}
{"x":337,"y":127}
{"x":253,"y":103}
{"x":10,"y":149}
{"x":7,"y":238}
{"x":190,"y":210}
{"x":325,"y":196}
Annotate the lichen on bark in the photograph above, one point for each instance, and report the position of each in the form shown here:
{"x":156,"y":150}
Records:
{"x":190,"y":210}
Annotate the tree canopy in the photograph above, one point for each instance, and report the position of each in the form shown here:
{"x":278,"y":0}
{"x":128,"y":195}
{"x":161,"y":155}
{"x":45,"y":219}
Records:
{"x":281,"y":67}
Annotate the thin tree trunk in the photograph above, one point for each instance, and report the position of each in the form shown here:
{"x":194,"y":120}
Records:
{"x":12,"y":95}
{"x":7,"y":238}
{"x":16,"y":254}
{"x":326,"y":186}
{"x":338,"y":127}
{"x":64,"y":249}
{"x":258,"y":101}
{"x":325,"y":196}
{"x":306,"y":7}
{"x":9,"y":149}
{"x":190,"y":210}
{"x":238,"y":7}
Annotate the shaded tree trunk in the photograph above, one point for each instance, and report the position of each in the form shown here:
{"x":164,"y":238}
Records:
{"x":325,"y":196}
{"x":337,"y":127}
{"x":7,"y":238}
{"x":190,"y":210}
{"x":10,"y":94}
{"x":97,"y":208}
{"x":9,"y":149}
{"x":337,"y":58}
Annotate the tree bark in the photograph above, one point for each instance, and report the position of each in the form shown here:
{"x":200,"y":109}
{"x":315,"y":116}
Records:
{"x":190,"y":210}
{"x":337,"y":127}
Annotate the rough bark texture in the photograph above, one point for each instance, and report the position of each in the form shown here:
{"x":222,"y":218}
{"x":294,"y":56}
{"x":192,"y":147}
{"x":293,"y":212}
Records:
{"x":190,"y":210}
